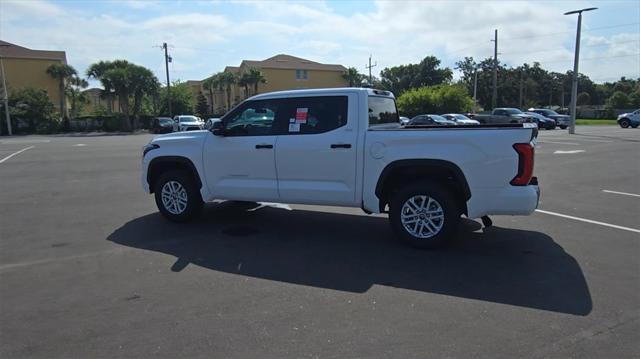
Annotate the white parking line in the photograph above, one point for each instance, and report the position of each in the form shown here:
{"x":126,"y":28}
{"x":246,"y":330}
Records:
{"x":571,"y":151}
{"x":589,"y":221}
{"x":16,"y":153}
{"x":623,"y":193}
{"x":560,"y":143}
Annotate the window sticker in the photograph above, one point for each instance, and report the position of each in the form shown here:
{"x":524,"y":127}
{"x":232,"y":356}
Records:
{"x":301,"y":114}
{"x":294,"y":127}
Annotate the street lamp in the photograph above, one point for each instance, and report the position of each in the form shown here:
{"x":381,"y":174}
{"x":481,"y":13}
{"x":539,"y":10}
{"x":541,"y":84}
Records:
{"x":574,"y":86}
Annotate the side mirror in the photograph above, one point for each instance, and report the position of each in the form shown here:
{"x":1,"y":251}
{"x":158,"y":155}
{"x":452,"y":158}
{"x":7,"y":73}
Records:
{"x":217,"y":128}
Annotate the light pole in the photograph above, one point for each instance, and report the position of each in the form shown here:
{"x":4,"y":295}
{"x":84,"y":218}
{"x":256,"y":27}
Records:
{"x":475,"y":89}
{"x":5,"y":95}
{"x":574,"y":86}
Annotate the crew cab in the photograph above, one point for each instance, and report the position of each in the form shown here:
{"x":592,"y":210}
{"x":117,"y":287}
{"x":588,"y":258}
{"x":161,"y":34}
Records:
{"x":345,"y":147}
{"x":503,"y":115}
{"x":561,"y":120}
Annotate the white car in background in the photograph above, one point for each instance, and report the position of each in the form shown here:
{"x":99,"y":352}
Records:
{"x":460,"y":119}
{"x":187,"y":123}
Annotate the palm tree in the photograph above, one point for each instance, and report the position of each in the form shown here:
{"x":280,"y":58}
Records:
{"x":61,"y":72}
{"x":245,"y":81}
{"x":353,"y":76}
{"x":125,"y":79}
{"x":255,"y":77}
{"x":74,"y":89}
{"x":228,"y":79}
{"x":211,"y":83}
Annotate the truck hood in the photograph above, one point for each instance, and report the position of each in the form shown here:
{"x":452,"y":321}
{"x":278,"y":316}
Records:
{"x":180,"y":136}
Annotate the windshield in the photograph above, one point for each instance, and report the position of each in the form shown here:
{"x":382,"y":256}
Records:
{"x":461,"y":117}
{"x":512,"y":111}
{"x":382,"y":111}
{"x":547,"y":112}
{"x":165,"y":121}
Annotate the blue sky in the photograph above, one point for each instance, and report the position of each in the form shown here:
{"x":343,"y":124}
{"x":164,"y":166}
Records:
{"x":206,"y":36}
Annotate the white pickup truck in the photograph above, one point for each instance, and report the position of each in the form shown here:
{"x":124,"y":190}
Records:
{"x":345,"y":147}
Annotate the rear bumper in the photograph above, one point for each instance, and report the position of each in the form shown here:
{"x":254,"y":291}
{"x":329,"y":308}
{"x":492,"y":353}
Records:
{"x":511,"y":200}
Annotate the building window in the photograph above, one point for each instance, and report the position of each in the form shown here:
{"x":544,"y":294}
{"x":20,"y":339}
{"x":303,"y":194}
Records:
{"x":301,"y":75}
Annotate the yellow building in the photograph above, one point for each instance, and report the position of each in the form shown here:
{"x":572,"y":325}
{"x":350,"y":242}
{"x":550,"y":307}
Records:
{"x":281,"y":72}
{"x":25,"y":67}
{"x":98,"y":102}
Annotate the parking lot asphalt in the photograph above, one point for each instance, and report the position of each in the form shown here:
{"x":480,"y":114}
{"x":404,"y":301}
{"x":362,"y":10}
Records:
{"x":88,"y":268}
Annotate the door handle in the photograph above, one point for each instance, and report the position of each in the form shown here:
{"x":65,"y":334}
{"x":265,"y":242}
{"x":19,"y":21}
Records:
{"x":264,"y":146}
{"x":341,"y":145}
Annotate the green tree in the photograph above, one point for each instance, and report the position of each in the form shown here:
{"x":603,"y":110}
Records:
{"x":201,"y":106}
{"x":398,"y":79}
{"x":33,"y":107}
{"x":618,"y":100}
{"x":61,"y":72}
{"x":583,"y":99}
{"x":255,"y":77}
{"x":228,"y":79}
{"x":211,"y":83}
{"x":353,"y":77}
{"x":634,"y":99}
{"x":181,"y":99}
{"x":75,"y":90}
{"x":244,"y":81}
{"x":125,"y":80}
{"x":434,"y":99}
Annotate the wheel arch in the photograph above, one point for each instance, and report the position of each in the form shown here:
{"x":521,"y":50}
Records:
{"x":161,"y":164}
{"x":403,"y":172}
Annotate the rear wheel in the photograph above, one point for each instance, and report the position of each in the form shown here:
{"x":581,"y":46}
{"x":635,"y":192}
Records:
{"x":624,"y":123}
{"x":177,"y":196}
{"x":424,"y":214}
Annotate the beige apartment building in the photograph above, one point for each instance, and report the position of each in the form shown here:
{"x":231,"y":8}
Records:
{"x":281,"y":72}
{"x":24,"y":67}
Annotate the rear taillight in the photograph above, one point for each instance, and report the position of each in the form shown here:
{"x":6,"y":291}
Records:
{"x":525,"y":164}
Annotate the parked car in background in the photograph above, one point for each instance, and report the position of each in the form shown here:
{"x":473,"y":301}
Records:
{"x":503,"y":115}
{"x":430,"y":120}
{"x":629,"y":119}
{"x":562,"y":121}
{"x":404,"y":120}
{"x":542,"y":121}
{"x":161,"y":125}
{"x":187,"y":123}
{"x":460,"y":119}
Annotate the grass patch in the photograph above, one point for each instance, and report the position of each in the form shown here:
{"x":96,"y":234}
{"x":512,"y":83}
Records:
{"x":582,"y":121}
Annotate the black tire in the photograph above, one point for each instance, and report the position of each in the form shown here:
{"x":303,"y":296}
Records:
{"x":446,"y":200}
{"x":563,"y":127}
{"x":193,"y":199}
{"x":624,"y":123}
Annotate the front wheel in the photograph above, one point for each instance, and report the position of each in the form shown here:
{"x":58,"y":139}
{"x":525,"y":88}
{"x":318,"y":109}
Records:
{"x":424,"y":215}
{"x":177,"y":196}
{"x":624,"y":123}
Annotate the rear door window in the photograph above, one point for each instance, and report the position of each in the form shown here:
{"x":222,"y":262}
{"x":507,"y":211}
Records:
{"x":313,"y":115}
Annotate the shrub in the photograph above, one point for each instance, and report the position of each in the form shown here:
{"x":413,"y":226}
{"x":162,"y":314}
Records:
{"x":434,"y":99}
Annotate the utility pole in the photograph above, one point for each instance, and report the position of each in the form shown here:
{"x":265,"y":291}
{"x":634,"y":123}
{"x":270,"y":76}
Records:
{"x":369,"y":67}
{"x":167,"y":60}
{"x":475,"y":89}
{"x":5,"y":95}
{"x":494,"y":97}
{"x":574,"y":86}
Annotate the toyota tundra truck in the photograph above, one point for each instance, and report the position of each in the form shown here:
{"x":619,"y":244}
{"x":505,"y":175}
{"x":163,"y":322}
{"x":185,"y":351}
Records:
{"x":346,"y":147}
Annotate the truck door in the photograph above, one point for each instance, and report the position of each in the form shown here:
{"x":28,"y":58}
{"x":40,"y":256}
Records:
{"x":240,"y":164}
{"x":316,"y":150}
